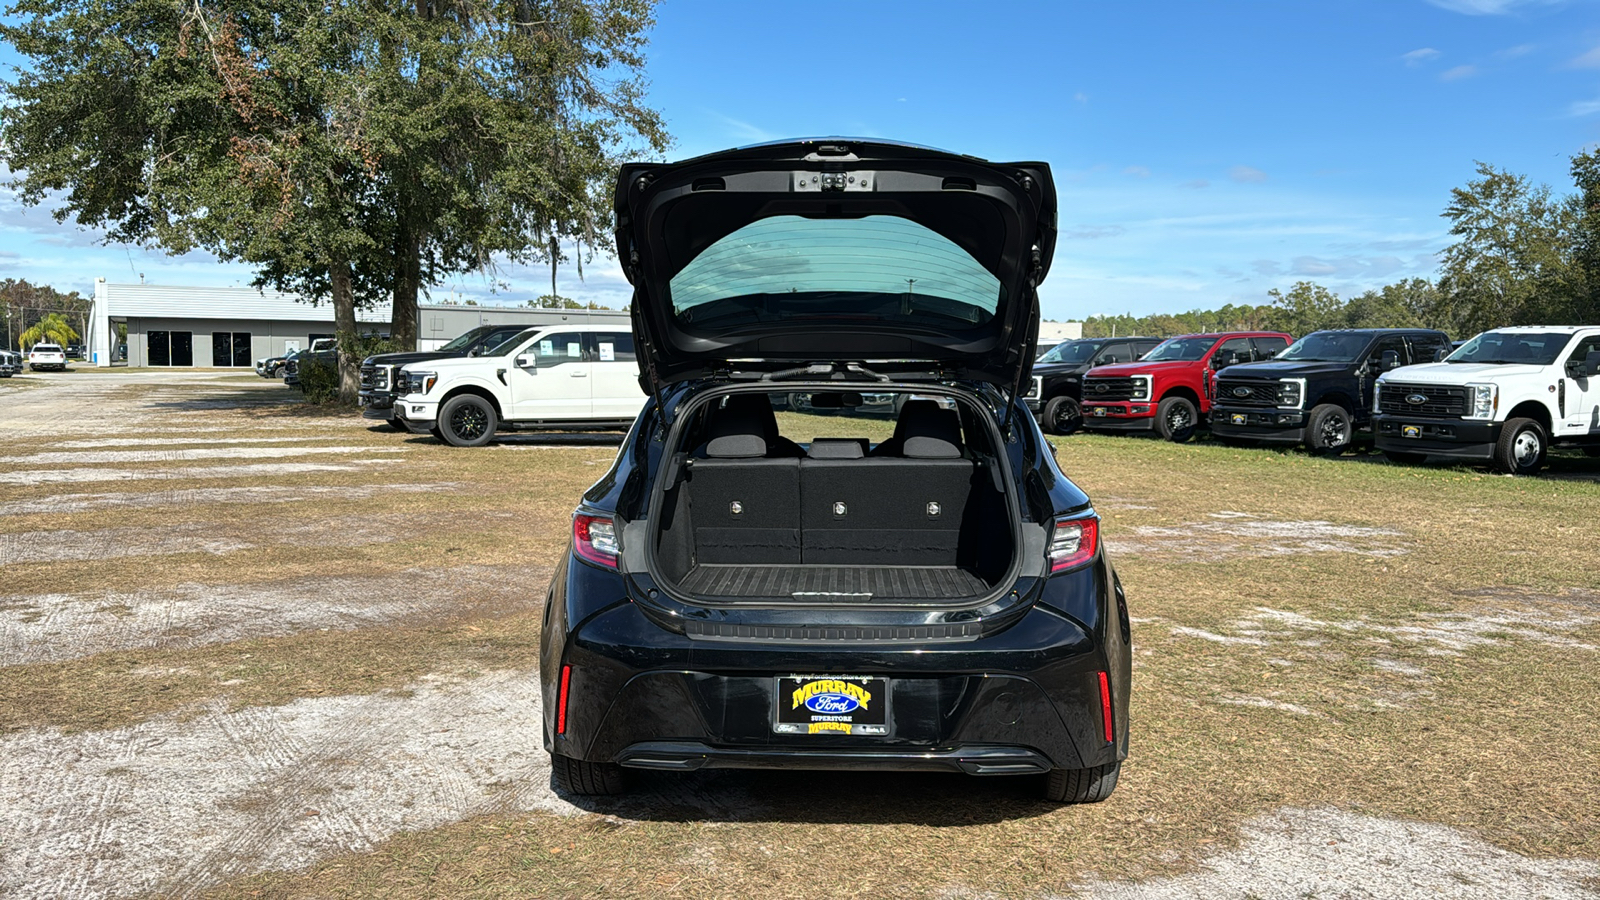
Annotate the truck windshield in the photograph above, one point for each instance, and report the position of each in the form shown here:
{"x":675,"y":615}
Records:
{"x":1524,"y":348}
{"x":1327,"y":346}
{"x":510,"y":344}
{"x":1070,"y":352}
{"x":1187,"y":349}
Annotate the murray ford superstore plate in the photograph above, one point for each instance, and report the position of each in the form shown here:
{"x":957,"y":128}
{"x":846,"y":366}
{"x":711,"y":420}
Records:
{"x":831,"y":704}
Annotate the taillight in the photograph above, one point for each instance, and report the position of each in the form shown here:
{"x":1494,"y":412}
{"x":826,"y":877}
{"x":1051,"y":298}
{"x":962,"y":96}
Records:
{"x":1105,"y":704}
{"x":561,"y":702}
{"x":1073,"y":542}
{"x":595,"y":538}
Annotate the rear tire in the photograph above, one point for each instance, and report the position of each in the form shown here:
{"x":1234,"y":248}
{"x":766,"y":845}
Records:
{"x":1177,"y":419}
{"x":1521,"y":448}
{"x":1329,"y":430}
{"x":1062,"y":415}
{"x":467,"y":420}
{"x":588,"y":779}
{"x":1081,"y":785}
{"x":1404,"y":458}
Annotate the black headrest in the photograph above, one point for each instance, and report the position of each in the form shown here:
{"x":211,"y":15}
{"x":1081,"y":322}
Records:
{"x":742,"y":427}
{"x":927,"y":431}
{"x":835,"y":448}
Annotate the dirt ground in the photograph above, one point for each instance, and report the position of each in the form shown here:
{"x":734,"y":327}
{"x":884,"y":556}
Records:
{"x":250,"y":648}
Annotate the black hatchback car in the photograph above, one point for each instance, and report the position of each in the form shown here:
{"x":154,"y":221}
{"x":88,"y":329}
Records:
{"x":742,"y":592}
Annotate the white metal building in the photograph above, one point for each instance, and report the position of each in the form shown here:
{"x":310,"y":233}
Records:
{"x":233,"y":327}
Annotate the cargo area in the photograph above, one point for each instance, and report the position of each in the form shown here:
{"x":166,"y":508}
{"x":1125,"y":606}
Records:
{"x":752,"y":514}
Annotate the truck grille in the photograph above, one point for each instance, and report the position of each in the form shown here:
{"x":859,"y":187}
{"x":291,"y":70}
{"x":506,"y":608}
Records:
{"x":1255,"y":393}
{"x":1108,"y":389}
{"x":1441,"y":401}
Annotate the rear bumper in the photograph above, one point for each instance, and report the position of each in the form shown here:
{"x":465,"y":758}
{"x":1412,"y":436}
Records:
{"x":1274,"y":426}
{"x":974,"y":759}
{"x":1456,"y":438}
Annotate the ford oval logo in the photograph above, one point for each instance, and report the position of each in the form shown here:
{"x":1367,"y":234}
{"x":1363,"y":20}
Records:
{"x":1416,"y":399}
{"x":1241,"y":392}
{"x":1101,"y":389}
{"x":832,"y":704}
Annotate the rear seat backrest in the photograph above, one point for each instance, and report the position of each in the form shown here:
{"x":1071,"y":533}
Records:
{"x":745,"y":507}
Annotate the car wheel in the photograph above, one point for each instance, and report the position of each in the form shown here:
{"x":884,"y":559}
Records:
{"x":1404,"y":458}
{"x":591,"y":779}
{"x":800,"y":402}
{"x":1520,"y":450}
{"x":1062,"y":415}
{"x":1081,"y":785}
{"x":1329,"y":429}
{"x":1176,"y":419}
{"x":467,"y":420}
{"x":278,"y":372}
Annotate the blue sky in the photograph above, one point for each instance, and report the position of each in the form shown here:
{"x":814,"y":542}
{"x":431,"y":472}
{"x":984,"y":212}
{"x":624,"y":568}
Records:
{"x":1205,"y":152}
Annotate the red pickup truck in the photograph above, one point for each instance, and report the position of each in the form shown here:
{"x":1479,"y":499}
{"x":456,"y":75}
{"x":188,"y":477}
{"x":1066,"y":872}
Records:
{"x":1169,"y":389}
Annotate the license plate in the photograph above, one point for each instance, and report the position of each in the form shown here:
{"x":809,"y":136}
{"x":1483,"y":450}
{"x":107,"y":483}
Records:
{"x":831,"y":704}
{"x":1411,"y":431}
{"x":1237,"y":419}
{"x":1097,"y":410}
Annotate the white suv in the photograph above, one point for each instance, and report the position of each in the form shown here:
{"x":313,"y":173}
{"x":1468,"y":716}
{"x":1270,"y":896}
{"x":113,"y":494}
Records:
{"x":1506,"y":395}
{"x":548,"y":377}
{"x":47,"y":356}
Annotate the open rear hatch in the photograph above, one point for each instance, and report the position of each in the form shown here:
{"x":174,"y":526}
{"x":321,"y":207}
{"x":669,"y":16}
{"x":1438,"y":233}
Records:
{"x":836,"y":251}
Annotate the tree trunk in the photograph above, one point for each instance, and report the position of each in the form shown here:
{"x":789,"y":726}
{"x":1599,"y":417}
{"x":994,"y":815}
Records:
{"x":407,"y":285}
{"x":344,"y":325}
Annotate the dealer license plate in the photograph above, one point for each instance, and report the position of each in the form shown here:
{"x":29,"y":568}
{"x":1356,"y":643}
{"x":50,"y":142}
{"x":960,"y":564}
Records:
{"x":831,"y":704}
{"x":1097,"y":410}
{"x":1411,"y":431}
{"x":1237,"y":418}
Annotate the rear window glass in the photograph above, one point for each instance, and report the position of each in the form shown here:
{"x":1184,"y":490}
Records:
{"x":788,"y":266}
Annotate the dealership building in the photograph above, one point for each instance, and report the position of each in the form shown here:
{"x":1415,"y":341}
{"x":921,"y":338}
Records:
{"x":233,"y":327}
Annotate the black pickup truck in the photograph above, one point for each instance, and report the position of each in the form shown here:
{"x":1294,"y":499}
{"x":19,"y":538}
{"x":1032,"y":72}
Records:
{"x":1319,"y":391}
{"x":377,"y":372}
{"x":1057,"y":387}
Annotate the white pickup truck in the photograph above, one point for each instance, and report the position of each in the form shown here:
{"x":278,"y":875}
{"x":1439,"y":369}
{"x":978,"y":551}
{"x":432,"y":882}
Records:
{"x":554,"y":376}
{"x":1507,"y":396}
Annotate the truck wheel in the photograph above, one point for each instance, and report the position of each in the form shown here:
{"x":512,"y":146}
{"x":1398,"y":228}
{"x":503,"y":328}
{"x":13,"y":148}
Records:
{"x":1404,"y":458}
{"x":576,"y":776}
{"x":1329,"y":429}
{"x":398,"y":425}
{"x":1176,"y":419}
{"x":1520,"y":450}
{"x":467,"y":420}
{"x":1081,"y":785}
{"x":1062,"y":415}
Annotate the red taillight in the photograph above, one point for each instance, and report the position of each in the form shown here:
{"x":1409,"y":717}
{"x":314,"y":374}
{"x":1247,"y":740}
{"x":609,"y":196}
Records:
{"x":561,"y":702}
{"x":1073,"y":542}
{"x":1105,"y":703}
{"x":595,"y":538}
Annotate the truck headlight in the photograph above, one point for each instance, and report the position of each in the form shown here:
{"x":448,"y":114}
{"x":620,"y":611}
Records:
{"x":421,"y":382}
{"x":1291,"y":392}
{"x":1483,"y":401}
{"x":1141,"y":387}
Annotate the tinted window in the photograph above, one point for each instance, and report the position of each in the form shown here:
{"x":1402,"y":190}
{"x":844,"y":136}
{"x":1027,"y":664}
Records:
{"x":1116,"y":353}
{"x":792,"y":267}
{"x":1327,"y":346}
{"x":515,"y":343}
{"x":1184,"y":348}
{"x":613,"y":346}
{"x":1268,"y":347}
{"x":1070,"y":352}
{"x":1239,"y":348}
{"x":556,"y":349}
{"x":1394,"y":342}
{"x":1586,"y":347}
{"x":1534,"y":348}
{"x":1425,"y":346}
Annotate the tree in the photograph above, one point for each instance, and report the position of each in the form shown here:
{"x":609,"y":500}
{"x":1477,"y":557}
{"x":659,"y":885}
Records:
{"x":351,"y":152}
{"x":556,"y":301}
{"x":1513,"y":259}
{"x":1586,"y":238}
{"x":1306,"y":307}
{"x":52,"y":329}
{"x":1404,"y":304}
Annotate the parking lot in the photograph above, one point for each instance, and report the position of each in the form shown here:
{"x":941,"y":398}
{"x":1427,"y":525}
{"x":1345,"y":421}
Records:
{"x":253,"y":648}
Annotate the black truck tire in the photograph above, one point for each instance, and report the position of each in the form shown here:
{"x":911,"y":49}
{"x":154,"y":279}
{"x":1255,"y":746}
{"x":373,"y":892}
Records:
{"x":1521,"y":448}
{"x":1062,"y":415}
{"x":587,"y":779}
{"x":1081,"y":785}
{"x":467,"y":420}
{"x":1177,"y":419}
{"x":1329,"y":429}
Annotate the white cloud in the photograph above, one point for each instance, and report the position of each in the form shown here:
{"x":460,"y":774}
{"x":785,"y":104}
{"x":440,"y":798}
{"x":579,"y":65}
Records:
{"x":1081,"y":97}
{"x":1090,"y":232}
{"x":742,"y":130}
{"x":1137,"y":171}
{"x":1514,"y":52}
{"x":1420,"y":55}
{"x":1590,"y":60}
{"x":1458,"y":73}
{"x":1581,"y":108}
{"x":1247,"y":175}
{"x":1196,"y":184}
{"x":1489,"y":7}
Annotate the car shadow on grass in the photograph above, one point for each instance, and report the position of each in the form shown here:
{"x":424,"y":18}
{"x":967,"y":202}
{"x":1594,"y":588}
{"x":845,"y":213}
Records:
{"x":824,"y":798}
{"x":531,"y":439}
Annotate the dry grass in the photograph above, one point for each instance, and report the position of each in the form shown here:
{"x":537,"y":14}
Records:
{"x":1451,"y":680}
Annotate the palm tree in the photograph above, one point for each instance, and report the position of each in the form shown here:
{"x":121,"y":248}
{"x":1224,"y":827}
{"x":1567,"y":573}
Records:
{"x":50,"y":329}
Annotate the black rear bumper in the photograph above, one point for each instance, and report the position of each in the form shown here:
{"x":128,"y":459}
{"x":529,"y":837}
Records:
{"x":974,"y":759}
{"x":1456,"y":438}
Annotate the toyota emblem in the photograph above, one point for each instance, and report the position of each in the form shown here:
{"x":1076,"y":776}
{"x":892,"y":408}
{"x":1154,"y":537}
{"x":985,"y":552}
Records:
{"x":1416,"y":399}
